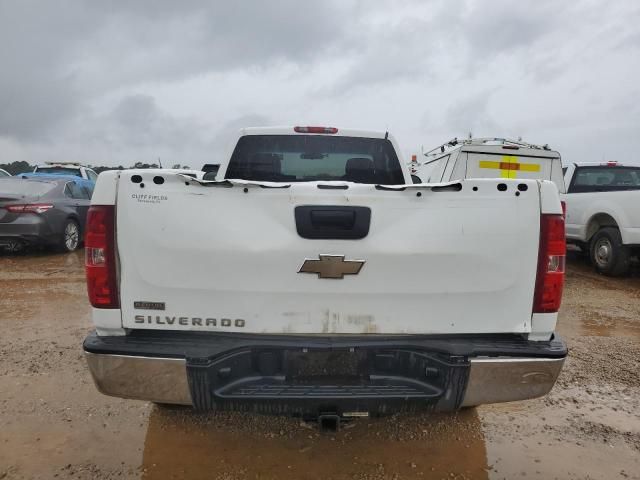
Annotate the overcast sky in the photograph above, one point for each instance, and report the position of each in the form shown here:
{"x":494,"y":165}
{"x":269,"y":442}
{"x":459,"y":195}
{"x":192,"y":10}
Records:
{"x":118,"y":82}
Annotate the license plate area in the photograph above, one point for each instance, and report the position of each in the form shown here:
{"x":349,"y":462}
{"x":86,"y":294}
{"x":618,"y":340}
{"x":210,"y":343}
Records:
{"x":343,"y":366}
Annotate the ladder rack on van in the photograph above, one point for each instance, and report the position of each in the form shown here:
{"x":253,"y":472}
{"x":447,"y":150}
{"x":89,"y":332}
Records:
{"x":70,"y":164}
{"x":484,"y":141}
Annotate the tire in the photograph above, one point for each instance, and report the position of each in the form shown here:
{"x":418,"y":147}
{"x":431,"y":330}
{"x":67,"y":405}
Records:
{"x":70,"y":240}
{"x":608,"y":255}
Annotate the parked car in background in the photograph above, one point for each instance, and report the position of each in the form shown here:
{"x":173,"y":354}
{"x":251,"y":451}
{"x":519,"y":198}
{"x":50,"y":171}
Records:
{"x":43,"y":210}
{"x":490,"y":158}
{"x":603,"y":213}
{"x":67,"y":168}
{"x":4,"y":173}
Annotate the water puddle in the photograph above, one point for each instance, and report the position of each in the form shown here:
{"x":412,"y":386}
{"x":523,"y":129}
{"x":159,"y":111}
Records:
{"x":597,"y":321}
{"x":586,"y":431}
{"x":183,"y":444}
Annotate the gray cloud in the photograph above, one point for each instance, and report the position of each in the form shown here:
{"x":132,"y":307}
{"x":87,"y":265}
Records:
{"x":118,"y":82}
{"x":470,"y":114}
{"x":57,"y":57}
{"x":138,"y":122}
{"x":504,"y":26}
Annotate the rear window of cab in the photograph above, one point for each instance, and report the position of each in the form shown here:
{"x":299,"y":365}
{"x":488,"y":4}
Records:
{"x":605,"y":178}
{"x":304,"y":158}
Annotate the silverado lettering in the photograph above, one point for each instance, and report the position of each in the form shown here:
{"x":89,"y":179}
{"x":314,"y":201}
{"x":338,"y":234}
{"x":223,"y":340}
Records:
{"x":185,"y":321}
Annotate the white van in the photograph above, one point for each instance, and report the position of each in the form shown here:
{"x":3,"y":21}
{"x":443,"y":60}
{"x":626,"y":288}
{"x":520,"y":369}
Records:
{"x":490,"y":158}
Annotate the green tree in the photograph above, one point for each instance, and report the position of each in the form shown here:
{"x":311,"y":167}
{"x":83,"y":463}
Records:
{"x":15,"y":168}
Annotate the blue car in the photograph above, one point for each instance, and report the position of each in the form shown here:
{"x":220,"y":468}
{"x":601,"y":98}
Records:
{"x":82,"y":182}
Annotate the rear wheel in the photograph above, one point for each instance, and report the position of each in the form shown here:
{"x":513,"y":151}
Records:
{"x":608,"y":254}
{"x":70,"y":236}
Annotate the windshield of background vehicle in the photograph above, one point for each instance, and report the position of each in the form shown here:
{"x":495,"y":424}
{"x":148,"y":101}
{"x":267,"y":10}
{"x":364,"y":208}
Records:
{"x":303,"y":158}
{"x":605,"y":178}
{"x":59,"y":171}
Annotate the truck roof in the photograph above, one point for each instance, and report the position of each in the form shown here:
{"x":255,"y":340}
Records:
{"x":61,"y":164}
{"x":603,"y":164}
{"x":291,"y":130}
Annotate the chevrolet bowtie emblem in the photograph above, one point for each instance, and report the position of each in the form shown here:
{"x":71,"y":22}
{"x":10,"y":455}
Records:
{"x":331,"y":266}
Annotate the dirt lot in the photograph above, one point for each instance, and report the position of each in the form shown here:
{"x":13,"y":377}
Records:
{"x":53,"y":423}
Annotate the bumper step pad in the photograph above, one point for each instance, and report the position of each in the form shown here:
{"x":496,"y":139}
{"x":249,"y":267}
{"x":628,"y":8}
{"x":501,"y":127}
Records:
{"x":330,"y":391}
{"x":369,"y":380}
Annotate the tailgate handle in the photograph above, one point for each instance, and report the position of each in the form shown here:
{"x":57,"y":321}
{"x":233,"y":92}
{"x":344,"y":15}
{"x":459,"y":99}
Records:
{"x":333,"y":219}
{"x":330,"y":222}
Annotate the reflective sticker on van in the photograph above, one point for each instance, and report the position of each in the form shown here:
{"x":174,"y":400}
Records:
{"x":509,"y":166}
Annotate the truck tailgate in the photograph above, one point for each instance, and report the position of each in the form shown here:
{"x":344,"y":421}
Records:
{"x":210,"y":258}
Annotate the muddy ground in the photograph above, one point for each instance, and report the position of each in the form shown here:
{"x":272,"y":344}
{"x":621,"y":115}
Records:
{"x":54,"y":424}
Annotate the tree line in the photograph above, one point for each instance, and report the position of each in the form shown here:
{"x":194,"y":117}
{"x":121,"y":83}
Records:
{"x":16,"y":168}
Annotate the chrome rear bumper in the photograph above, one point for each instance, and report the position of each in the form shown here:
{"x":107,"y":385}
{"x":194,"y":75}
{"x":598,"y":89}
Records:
{"x":161,"y":380}
{"x":495,"y":380}
{"x":166,"y":380}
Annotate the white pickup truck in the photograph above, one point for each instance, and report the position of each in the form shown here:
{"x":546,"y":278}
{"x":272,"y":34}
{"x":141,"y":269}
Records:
{"x":603,"y":213}
{"x":313,"y":277}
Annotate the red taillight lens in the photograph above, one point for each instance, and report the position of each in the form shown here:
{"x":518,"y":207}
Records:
{"x":551,"y":262}
{"x":100,"y":260}
{"x":326,"y":130}
{"x":30,"y":208}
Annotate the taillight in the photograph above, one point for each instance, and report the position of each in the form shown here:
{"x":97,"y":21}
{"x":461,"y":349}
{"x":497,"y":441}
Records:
{"x":100,"y":259}
{"x":551,"y":262}
{"x":30,"y":208}
{"x":326,"y":130}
